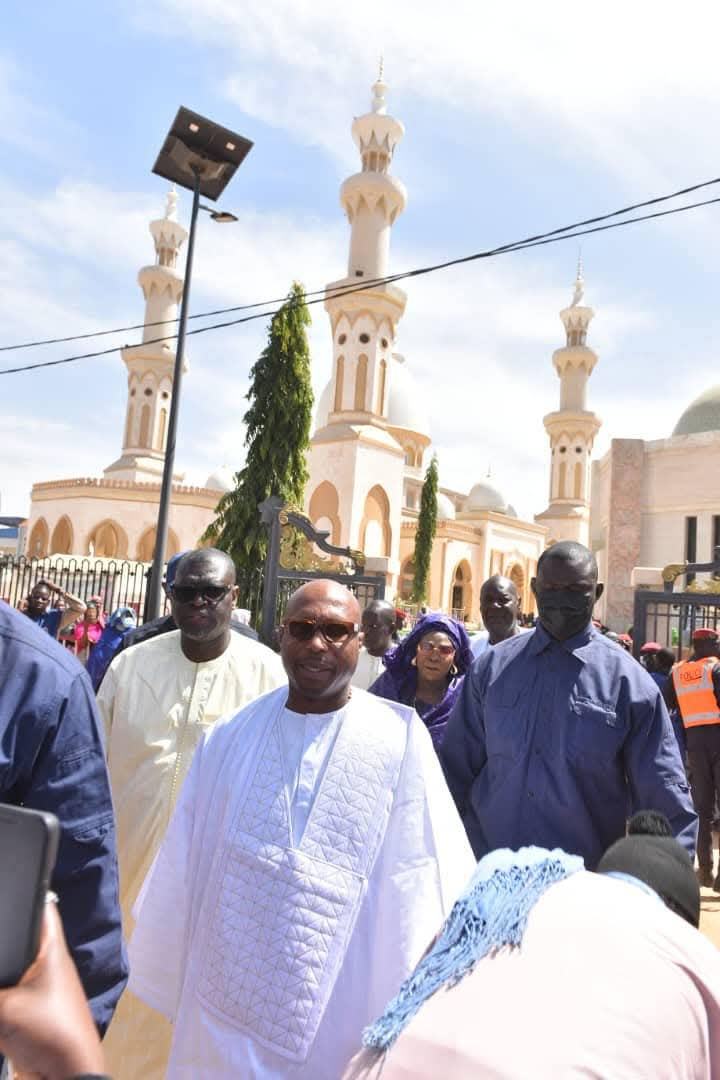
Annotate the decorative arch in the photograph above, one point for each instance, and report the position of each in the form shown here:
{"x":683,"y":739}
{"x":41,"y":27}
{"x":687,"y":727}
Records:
{"x":323,"y":510}
{"x":161,"y":429}
{"x":146,"y":545}
{"x":407,"y":578}
{"x":577,"y":492}
{"x":461,"y":590}
{"x":381,"y":388}
{"x":62,"y":537}
{"x":361,"y":383}
{"x":144,"y":436}
{"x":562,"y":470}
{"x":339,"y":379}
{"x":375,"y":531}
{"x":108,"y":540}
{"x":409,"y":455}
{"x":37,"y":546}
{"x":517,"y":575}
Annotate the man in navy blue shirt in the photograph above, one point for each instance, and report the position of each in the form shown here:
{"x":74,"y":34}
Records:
{"x":559,"y":736}
{"x":52,"y":758}
{"x":52,"y":619}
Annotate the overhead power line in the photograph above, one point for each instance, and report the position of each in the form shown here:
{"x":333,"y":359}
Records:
{"x":566,"y":232}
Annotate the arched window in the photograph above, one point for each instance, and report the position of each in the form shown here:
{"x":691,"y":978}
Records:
{"x":323,"y":510}
{"x":107,"y":541}
{"x":62,"y":537}
{"x":339,"y":377}
{"x":144,"y":436}
{"x":562,"y":469}
{"x":361,"y":383}
{"x":162,"y":425}
{"x":461,"y":592}
{"x":37,"y":546}
{"x":409,"y":455}
{"x":375,"y":532}
{"x":407,"y":578}
{"x":146,"y":545}
{"x":578,"y":480}
{"x":381,"y":388}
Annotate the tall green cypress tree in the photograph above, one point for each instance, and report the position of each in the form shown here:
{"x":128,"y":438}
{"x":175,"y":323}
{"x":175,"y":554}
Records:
{"x":278,"y":435}
{"x":427,"y":524}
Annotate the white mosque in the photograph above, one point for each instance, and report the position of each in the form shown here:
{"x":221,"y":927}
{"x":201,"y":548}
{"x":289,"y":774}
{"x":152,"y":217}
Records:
{"x":641,"y":506}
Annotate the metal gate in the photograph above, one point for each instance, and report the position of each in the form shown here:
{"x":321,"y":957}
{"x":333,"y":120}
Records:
{"x":669,"y":617}
{"x":297,"y":553}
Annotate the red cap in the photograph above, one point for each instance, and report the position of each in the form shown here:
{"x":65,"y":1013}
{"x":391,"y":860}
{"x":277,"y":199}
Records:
{"x":705,"y":633}
{"x":651,"y":646}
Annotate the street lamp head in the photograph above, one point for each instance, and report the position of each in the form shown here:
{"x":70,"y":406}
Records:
{"x":197,"y":148}
{"x":222,"y":217}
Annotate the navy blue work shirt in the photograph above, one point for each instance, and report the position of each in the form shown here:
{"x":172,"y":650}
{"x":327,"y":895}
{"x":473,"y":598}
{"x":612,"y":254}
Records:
{"x":556,"y":743}
{"x":49,"y":621}
{"x":52,"y":758}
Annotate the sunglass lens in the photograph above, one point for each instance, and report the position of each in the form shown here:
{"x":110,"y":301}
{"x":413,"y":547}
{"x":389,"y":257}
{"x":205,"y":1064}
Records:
{"x":213,"y":592}
{"x":183,"y":593}
{"x":335,"y":631}
{"x":301,"y":629}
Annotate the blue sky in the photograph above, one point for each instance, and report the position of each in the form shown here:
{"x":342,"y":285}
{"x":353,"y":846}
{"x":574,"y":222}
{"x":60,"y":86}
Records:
{"x":518,"y":119}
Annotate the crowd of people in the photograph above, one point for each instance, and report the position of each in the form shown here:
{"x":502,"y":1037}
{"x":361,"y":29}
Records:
{"x":363,"y":853}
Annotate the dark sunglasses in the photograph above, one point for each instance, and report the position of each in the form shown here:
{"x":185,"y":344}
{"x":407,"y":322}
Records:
{"x":211,"y":594}
{"x":334,"y":631}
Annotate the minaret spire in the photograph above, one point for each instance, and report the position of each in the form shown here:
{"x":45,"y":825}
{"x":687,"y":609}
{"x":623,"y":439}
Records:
{"x":150,"y":365}
{"x":572,"y":429}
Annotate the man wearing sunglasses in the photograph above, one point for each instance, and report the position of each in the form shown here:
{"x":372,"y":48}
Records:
{"x":313,"y":853}
{"x":157,"y":700}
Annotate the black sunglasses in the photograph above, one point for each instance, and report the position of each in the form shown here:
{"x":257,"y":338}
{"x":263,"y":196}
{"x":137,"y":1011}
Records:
{"x":212,"y":594}
{"x":334,"y":631}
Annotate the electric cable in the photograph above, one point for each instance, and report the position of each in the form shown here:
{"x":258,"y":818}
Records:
{"x":368,"y":283}
{"x":521,"y":245}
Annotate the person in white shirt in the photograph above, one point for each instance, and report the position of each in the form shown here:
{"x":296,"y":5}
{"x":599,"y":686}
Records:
{"x":314,"y":851}
{"x":379,"y":625}
{"x":157,"y":700}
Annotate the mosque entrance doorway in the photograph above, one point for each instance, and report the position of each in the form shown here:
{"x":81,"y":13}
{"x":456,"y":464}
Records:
{"x":297,"y":553}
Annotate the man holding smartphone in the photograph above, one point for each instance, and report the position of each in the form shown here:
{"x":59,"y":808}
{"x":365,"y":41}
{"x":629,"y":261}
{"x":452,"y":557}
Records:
{"x":51,"y":758}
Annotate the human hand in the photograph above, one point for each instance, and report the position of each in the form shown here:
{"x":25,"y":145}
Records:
{"x":45,"y":1024}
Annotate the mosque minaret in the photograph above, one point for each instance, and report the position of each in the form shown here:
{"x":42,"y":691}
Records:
{"x":150,"y":365}
{"x":572,"y":428}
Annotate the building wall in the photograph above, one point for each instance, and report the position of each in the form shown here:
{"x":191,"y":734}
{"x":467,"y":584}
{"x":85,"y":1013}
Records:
{"x":130,"y":508}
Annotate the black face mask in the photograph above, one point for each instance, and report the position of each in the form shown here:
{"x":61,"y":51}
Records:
{"x":563,"y":612}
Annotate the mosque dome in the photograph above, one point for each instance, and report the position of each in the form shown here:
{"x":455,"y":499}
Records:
{"x":405,"y":409}
{"x":222,"y":479}
{"x":484,"y":496}
{"x":703,"y":414}
{"x":445,"y":508}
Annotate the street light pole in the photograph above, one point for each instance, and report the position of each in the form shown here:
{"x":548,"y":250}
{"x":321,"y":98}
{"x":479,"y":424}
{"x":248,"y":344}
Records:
{"x":155,"y":583}
{"x":202,"y":156}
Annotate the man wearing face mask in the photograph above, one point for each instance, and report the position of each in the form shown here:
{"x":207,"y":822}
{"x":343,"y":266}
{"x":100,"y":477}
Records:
{"x":558,"y":735}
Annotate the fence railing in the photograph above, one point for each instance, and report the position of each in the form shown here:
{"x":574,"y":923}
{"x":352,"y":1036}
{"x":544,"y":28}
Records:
{"x":119,"y":583}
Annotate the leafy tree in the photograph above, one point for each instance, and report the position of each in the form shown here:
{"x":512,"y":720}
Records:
{"x":427,"y":524}
{"x":278,"y":435}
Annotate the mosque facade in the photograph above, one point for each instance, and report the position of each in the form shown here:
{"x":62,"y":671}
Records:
{"x":372,"y":444}
{"x":113,"y":516}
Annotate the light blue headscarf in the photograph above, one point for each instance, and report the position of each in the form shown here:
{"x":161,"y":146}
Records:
{"x":492,"y":913}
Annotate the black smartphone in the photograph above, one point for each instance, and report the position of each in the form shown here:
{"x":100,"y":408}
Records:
{"x":28,"y":849}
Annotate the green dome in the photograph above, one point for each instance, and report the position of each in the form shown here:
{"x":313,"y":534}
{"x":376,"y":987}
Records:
{"x":703,"y":414}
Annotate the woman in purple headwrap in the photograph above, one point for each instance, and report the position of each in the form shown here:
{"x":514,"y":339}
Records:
{"x":426,"y":670}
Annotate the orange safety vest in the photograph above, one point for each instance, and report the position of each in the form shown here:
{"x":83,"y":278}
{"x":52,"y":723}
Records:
{"x":695,"y":692}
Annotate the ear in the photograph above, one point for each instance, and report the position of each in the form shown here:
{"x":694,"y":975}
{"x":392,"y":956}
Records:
{"x":533,"y":586}
{"x":361,"y":638}
{"x":235,"y":592}
{"x":279,"y":632}
{"x":599,"y":590}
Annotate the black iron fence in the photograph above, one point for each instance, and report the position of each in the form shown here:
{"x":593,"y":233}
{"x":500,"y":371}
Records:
{"x":118,"y":583}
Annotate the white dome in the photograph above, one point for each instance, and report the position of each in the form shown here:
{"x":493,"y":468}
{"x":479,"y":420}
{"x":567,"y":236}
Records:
{"x":484,"y":496}
{"x":445,"y":508}
{"x":222,"y":479}
{"x":404,"y":406}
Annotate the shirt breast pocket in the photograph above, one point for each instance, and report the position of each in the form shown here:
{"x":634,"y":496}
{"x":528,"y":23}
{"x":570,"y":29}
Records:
{"x":595,"y":736}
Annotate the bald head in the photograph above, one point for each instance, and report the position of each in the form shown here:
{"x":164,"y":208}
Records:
{"x":319,"y":644}
{"x":566,"y":588}
{"x":206,"y":560}
{"x":499,"y":608}
{"x":378,"y":622}
{"x":325,"y":592}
